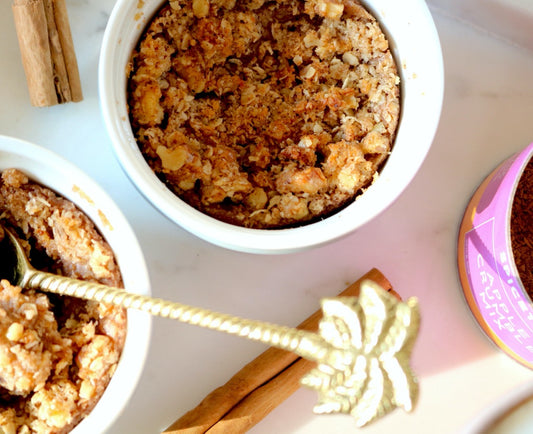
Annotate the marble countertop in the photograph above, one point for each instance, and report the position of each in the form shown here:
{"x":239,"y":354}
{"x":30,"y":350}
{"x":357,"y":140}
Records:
{"x":487,"y":116}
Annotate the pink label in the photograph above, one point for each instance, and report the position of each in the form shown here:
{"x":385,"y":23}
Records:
{"x":501,"y":301}
{"x":495,"y":285}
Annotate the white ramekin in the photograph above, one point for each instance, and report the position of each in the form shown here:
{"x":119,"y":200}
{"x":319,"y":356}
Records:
{"x":54,"y":172}
{"x":415,"y":44}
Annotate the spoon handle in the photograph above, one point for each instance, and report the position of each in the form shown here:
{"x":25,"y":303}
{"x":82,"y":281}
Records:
{"x":305,"y":344}
{"x":362,"y":349}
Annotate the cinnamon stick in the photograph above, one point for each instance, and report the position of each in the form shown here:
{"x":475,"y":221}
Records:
{"x":47,"y":51}
{"x":255,"y":406}
{"x":261,"y":385}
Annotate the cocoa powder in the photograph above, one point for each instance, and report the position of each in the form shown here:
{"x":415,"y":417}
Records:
{"x":522,"y":228}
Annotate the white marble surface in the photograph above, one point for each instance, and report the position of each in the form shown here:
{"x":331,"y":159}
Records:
{"x":487,"y":115}
{"x":506,"y":19}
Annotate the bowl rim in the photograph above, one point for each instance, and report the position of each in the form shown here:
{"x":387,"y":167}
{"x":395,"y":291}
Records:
{"x":46,"y":168}
{"x":285,"y":240}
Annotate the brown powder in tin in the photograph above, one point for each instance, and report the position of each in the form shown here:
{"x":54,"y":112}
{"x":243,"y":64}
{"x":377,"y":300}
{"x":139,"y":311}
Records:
{"x":522,"y":228}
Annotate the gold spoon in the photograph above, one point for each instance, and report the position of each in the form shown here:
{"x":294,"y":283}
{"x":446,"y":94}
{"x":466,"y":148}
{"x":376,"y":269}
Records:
{"x":362,"y":349}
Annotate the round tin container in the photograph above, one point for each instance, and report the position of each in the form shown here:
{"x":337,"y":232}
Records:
{"x":490,"y":280}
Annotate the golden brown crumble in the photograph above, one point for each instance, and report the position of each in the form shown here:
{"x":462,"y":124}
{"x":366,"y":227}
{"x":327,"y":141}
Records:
{"x":264,"y":114}
{"x":57,"y":354}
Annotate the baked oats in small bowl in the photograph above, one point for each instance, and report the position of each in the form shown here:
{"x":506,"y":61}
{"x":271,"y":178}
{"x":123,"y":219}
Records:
{"x":66,"y":365}
{"x":271,"y":126}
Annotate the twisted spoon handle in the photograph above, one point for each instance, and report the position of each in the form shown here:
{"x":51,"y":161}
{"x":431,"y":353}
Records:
{"x":362,"y":350}
{"x":306,"y":344}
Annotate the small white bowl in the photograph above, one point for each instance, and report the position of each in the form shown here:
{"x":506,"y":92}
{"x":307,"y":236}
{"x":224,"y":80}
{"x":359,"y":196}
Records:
{"x":52,"y":171}
{"x":416,"y":47}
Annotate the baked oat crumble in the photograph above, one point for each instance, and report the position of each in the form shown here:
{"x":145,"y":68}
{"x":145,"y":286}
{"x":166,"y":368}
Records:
{"x":264,"y":114}
{"x":57,"y":354}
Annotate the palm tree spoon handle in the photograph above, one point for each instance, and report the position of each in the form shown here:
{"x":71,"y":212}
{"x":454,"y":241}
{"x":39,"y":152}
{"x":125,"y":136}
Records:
{"x":362,"y":349}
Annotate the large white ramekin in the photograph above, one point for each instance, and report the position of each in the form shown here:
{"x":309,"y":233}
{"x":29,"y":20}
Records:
{"x":54,"y":172}
{"x":415,"y":44}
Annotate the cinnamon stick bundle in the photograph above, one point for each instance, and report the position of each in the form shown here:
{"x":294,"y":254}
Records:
{"x":260,"y":386}
{"x":47,"y":51}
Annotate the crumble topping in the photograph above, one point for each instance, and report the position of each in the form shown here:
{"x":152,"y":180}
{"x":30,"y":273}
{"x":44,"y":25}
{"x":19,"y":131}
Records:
{"x":264,"y":114}
{"x":57,"y":353}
